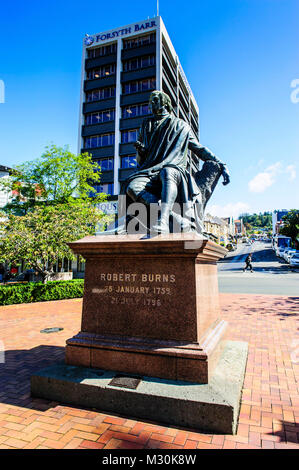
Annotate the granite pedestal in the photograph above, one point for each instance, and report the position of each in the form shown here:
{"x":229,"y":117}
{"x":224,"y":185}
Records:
{"x":150,"y":306}
{"x":151,"y":315}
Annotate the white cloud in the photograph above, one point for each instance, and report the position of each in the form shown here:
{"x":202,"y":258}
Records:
{"x":291,"y":169}
{"x":228,"y":210}
{"x":268,"y":177}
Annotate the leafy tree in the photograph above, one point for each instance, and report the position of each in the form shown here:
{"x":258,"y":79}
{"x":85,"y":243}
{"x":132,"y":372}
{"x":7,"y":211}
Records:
{"x":40,"y":237}
{"x":51,"y":206}
{"x":57,"y":177}
{"x":261,"y":220}
{"x":291,"y":224}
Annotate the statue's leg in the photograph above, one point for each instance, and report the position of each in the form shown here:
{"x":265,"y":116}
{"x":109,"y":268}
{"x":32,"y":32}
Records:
{"x":145,"y":190}
{"x":170,"y":178}
{"x":139,"y":190}
{"x":207,"y":179}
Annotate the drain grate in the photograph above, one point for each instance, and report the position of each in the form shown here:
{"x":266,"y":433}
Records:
{"x":51,"y":330}
{"x":125,"y":381}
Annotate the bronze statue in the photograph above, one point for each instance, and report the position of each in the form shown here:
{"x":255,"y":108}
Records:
{"x":166,"y":173}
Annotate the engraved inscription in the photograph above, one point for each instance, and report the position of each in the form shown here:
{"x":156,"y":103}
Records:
{"x":122,"y":284}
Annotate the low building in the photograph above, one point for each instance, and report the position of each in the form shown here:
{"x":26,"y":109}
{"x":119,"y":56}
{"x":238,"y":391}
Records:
{"x":218,"y":229}
{"x":239,"y":228}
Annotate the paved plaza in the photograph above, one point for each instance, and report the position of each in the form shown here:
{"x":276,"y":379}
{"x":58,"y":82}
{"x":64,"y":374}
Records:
{"x":270,"y":400}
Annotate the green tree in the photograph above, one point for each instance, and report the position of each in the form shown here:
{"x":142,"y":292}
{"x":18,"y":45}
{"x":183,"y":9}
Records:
{"x":53,"y":203}
{"x":41,"y":236}
{"x":291,"y":224}
{"x":258,"y":220}
{"x":57,"y":177}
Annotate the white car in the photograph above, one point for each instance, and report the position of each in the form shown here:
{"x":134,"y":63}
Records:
{"x":279,"y":251}
{"x":287,"y":253}
{"x":291,"y":254}
{"x":294,"y":260}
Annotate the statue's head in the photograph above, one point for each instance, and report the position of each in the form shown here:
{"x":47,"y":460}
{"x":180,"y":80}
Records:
{"x":159,"y":102}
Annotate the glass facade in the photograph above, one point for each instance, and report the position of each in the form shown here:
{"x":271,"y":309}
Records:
{"x":111,"y":103}
{"x":101,"y":51}
{"x":104,"y":188}
{"x":128,"y":161}
{"x":106,"y":164}
{"x":138,"y":63}
{"x":135,"y":110}
{"x":99,"y":117}
{"x":100,"y":94}
{"x":140,"y":41}
{"x":136,"y":86}
{"x":102,"y":140}
{"x":101,"y":72}
{"x":128,"y":137}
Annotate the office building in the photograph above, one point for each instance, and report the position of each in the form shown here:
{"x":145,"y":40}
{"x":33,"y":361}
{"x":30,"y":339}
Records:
{"x":120,"y":69}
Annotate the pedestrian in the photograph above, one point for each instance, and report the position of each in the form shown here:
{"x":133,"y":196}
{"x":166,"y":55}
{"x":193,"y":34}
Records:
{"x":248,"y":262}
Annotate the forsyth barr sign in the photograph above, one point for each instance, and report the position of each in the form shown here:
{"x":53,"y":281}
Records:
{"x":138,"y":27}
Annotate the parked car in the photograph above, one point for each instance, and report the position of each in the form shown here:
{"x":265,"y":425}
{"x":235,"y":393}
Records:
{"x":294,"y":260}
{"x":280,"y":250}
{"x":287,"y":253}
{"x":291,"y":254}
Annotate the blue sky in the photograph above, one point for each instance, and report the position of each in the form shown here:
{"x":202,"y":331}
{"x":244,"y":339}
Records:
{"x":240,"y":58}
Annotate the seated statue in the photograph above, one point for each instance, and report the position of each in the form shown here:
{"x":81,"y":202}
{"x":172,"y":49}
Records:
{"x":168,"y":175}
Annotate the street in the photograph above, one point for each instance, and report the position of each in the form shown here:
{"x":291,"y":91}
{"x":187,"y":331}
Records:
{"x":271,"y":275}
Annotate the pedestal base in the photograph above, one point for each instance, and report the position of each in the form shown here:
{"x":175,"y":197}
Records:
{"x":212,"y":407}
{"x":172,"y":360}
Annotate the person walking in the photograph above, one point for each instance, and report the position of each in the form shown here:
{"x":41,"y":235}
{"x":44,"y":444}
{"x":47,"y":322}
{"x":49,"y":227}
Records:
{"x":248,"y":262}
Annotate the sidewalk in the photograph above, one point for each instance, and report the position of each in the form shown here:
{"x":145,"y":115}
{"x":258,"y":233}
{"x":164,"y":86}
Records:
{"x":270,"y":400}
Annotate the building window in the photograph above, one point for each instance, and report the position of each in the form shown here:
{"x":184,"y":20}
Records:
{"x":101,"y":94}
{"x":138,"y":63}
{"x":140,"y":41}
{"x":102,"y":140}
{"x":99,"y":117}
{"x":128,"y":161}
{"x":106,"y":164}
{"x":104,"y":188}
{"x":136,"y":110}
{"x":128,"y":137}
{"x":139,"y":85}
{"x":101,"y":72}
{"x":101,"y":51}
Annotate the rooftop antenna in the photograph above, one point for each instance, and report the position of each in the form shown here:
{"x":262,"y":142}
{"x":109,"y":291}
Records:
{"x":157,"y":7}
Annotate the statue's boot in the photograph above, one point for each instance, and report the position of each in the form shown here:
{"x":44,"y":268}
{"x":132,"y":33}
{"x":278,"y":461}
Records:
{"x":169,"y":178}
{"x":179,"y":223}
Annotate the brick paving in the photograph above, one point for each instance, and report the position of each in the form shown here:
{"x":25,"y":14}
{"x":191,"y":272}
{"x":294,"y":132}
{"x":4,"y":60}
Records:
{"x":269,"y":414}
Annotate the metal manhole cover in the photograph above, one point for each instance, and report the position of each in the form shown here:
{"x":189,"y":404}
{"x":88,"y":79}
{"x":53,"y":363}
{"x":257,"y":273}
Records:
{"x":125,"y":381}
{"x":51,"y":330}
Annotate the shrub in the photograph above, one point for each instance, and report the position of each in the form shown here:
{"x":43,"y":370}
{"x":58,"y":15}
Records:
{"x":38,"y":292}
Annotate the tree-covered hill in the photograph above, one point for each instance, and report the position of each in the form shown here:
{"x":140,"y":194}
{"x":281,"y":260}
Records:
{"x":261,"y":220}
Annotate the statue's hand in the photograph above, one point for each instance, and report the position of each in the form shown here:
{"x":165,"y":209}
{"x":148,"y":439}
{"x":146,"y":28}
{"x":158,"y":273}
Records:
{"x":226,"y":176}
{"x":141,"y":150}
{"x":138,"y":146}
